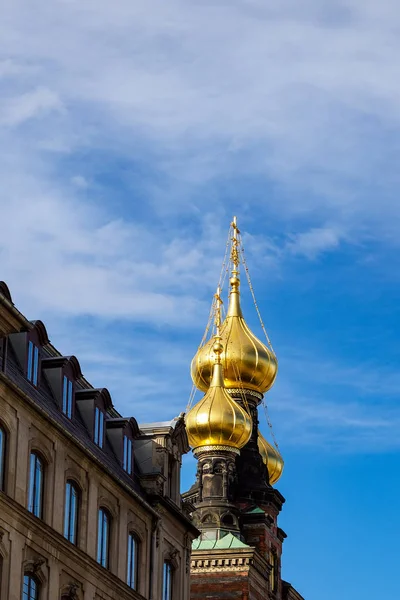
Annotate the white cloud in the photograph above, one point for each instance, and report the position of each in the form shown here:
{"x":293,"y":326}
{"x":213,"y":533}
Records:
{"x":306,"y":98}
{"x":35,"y":103}
{"x":80,"y":181}
{"x":217,"y":99}
{"x":314,"y":241}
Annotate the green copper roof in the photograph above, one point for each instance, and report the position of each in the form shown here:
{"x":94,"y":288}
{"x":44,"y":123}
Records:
{"x":228,"y":541}
{"x":255,"y":511}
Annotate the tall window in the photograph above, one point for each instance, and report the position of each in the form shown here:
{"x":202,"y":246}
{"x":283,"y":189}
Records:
{"x":31,"y":588}
{"x":33,"y":363}
{"x":35,"y":497}
{"x":67,"y":397}
{"x":71,"y":512}
{"x":132,"y":561}
{"x":103,"y":537}
{"x":273,"y":574}
{"x":127,"y":463}
{"x":99,"y":427}
{"x":167,"y":581}
{"x":2,"y":457}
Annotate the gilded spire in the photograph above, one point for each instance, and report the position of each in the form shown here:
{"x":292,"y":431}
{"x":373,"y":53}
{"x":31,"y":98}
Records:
{"x":247,"y":362}
{"x":234,"y":309}
{"x":218,"y":420}
{"x":218,"y":377}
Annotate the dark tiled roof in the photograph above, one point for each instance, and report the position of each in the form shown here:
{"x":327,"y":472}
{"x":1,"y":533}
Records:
{"x":43,"y":398}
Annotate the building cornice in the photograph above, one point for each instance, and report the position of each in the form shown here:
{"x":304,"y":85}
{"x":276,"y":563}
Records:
{"x":227,"y":560}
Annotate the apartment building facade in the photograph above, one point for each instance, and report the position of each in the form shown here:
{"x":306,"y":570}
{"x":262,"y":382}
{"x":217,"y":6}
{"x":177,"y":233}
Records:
{"x":90,"y":506}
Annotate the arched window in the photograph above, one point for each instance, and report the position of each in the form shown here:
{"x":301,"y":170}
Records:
{"x":30,"y":589}
{"x":103,"y":537}
{"x":2,"y":457}
{"x":71,"y":512}
{"x":133,"y":555}
{"x":228,"y":520}
{"x":35,"y":496}
{"x":167,"y":580}
{"x":273,"y":574}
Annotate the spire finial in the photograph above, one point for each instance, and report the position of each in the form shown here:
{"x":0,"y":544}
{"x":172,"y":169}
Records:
{"x":234,"y":300}
{"x":218,"y":304}
{"x":234,"y":249}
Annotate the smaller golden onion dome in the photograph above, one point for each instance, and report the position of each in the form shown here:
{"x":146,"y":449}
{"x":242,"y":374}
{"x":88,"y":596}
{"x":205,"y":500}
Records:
{"x":271,"y":458}
{"x":248,"y":363}
{"x":218,"y":420}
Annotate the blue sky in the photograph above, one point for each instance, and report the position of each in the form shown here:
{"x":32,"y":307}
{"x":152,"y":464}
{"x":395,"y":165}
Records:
{"x":131,"y":133}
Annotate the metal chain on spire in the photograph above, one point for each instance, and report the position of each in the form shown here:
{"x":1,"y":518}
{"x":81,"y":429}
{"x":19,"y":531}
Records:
{"x":241,"y":249}
{"x":210,"y":321}
{"x":270,"y":424}
{"x":243,"y":260}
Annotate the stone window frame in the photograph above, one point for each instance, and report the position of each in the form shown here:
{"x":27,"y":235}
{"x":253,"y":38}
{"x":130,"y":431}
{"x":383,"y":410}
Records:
{"x":5,"y":429}
{"x":75,"y":483}
{"x":172,"y":556}
{"x":71,"y":591}
{"x":43,"y":483}
{"x":38,"y":445}
{"x":79,"y":477}
{"x":139,"y":551}
{"x":111,"y":506}
{"x":36,"y":568}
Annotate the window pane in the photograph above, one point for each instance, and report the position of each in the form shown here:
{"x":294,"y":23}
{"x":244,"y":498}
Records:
{"x":71,"y":512}
{"x":125,"y":453}
{"x":69,"y":411}
{"x":132,"y":562}
{"x":103,"y":538}
{"x":167,"y":581}
{"x":127,"y":459}
{"x":39,"y":488}
{"x":35,"y":365}
{"x":30,"y":588}
{"x":130,"y":457}
{"x":64,"y":397}
{"x":30,"y":361}
{"x":67,"y":509}
{"x":104,"y":549}
{"x":35,"y":495}
{"x":74,"y":515}
{"x":101,"y":429}
{"x":2,"y":456}
{"x":96,"y":426}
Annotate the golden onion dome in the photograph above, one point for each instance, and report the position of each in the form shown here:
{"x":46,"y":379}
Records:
{"x":218,"y":420}
{"x":271,"y":458}
{"x":247,"y":362}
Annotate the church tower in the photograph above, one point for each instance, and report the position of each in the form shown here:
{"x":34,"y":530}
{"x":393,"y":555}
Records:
{"x":235,"y":506}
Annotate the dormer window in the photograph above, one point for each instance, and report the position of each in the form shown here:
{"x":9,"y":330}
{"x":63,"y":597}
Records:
{"x":67,"y":397}
{"x":99,"y":427}
{"x":127,"y":459}
{"x":63,"y":373}
{"x":33,"y":363}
